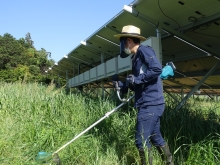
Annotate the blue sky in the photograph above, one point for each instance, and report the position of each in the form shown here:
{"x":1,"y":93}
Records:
{"x":56,"y":25}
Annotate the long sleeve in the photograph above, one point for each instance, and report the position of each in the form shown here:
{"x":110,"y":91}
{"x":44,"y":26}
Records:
{"x":151,"y":67}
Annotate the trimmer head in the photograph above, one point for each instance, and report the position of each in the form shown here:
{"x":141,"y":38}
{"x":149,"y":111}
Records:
{"x":44,"y":157}
{"x":56,"y":159}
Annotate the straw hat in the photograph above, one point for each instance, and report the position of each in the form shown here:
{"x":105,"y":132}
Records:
{"x":130,"y":31}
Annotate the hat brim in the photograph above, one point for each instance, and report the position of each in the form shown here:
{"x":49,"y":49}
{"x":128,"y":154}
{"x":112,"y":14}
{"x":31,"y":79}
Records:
{"x":130,"y":35}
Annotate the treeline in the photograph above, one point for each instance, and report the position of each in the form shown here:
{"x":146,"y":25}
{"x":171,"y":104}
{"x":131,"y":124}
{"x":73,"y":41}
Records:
{"x":19,"y":60}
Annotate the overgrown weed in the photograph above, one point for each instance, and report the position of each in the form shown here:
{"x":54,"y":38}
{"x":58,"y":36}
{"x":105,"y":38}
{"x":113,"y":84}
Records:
{"x":38,"y":118}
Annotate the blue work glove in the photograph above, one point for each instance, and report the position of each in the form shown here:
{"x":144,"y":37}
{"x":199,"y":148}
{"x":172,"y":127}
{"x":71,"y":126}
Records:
{"x":130,"y":80}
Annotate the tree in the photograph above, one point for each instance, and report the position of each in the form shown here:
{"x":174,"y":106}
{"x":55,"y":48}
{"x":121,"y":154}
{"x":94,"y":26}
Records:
{"x":29,"y":40}
{"x":10,"y":51}
{"x":19,"y":59}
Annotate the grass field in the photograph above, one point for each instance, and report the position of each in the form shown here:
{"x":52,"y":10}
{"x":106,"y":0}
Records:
{"x":37,"y":118}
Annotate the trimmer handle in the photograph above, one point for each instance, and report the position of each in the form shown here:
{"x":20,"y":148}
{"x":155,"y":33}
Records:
{"x":115,"y":83}
{"x":119,"y":97}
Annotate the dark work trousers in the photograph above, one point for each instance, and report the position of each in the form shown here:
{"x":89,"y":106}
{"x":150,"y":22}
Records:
{"x":148,"y":126}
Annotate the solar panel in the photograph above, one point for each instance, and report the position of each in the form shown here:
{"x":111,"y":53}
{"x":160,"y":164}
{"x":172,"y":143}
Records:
{"x":198,"y":21}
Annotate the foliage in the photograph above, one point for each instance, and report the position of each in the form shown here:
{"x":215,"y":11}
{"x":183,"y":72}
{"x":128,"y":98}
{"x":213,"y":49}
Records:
{"x":46,"y":119}
{"x":19,"y":60}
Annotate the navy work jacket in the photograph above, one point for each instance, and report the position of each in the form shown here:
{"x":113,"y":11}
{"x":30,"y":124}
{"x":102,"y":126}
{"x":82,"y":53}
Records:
{"x":147,"y":69}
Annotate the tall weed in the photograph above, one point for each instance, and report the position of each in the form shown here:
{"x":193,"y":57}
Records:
{"x":38,"y":118}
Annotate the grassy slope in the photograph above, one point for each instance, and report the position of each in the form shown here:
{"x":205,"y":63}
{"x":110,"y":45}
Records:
{"x":36,"y":118}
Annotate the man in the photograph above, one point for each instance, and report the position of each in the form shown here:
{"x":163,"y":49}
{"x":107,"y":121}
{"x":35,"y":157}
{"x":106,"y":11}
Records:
{"x":149,"y":100}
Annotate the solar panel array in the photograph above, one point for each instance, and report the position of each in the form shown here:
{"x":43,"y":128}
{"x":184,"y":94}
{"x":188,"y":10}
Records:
{"x":190,"y":38}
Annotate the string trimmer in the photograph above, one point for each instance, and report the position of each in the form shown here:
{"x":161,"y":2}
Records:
{"x":46,"y":156}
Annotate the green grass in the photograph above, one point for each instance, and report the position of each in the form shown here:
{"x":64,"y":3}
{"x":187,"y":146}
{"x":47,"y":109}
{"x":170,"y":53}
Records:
{"x":37,"y":118}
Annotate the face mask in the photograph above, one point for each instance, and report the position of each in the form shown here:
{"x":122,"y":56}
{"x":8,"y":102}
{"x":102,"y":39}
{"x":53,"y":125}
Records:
{"x":124,"y":52}
{"x":127,"y":51}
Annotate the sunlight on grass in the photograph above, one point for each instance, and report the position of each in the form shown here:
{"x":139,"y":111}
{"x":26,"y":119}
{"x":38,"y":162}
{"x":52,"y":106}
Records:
{"x":36,"y":118}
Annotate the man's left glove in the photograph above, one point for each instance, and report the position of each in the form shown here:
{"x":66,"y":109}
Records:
{"x":130,"y":80}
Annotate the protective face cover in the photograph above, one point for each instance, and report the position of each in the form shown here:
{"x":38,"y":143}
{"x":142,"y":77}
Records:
{"x":124,"y":52}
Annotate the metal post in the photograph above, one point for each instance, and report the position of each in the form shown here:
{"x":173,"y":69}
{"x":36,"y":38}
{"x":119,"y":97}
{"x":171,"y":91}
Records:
{"x":197,"y":86}
{"x":102,"y":61}
{"x":173,"y":97}
{"x":102,"y":57}
{"x":182,"y":93}
{"x":73,"y":70}
{"x":160,"y":44}
{"x":160,"y":47}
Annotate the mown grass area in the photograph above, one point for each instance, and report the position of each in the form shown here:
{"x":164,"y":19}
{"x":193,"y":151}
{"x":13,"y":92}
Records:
{"x":37,"y":118}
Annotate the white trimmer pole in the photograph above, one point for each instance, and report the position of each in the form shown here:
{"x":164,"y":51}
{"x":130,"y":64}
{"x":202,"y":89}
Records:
{"x":94,"y":124}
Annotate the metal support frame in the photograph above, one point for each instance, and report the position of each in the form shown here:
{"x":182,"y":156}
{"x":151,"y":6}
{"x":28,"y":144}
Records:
{"x":99,"y":85}
{"x":169,"y":30}
{"x":102,"y":61}
{"x":63,"y":66}
{"x":173,"y":97}
{"x":71,"y":57}
{"x":91,"y":87}
{"x":176,"y":34}
{"x":73,"y":70}
{"x":79,"y":65}
{"x":196,"y":73}
{"x":197,"y":86}
{"x":79,"y":68}
{"x":201,"y":22}
{"x":208,"y":95}
{"x":178,"y":83}
{"x":184,"y":76}
{"x":183,"y":38}
{"x":67,"y":68}
{"x":60,"y":71}
{"x":186,"y":57}
{"x":160,"y":44}
{"x":113,"y":29}
{"x":158,"y":30}
{"x":85,"y":43}
{"x":190,"y":87}
{"x":182,"y":92}
{"x":202,"y":83}
{"x":197,"y":24}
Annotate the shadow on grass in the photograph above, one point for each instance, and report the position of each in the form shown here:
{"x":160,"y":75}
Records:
{"x":189,"y":125}
{"x":120,"y":140}
{"x":180,"y":128}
